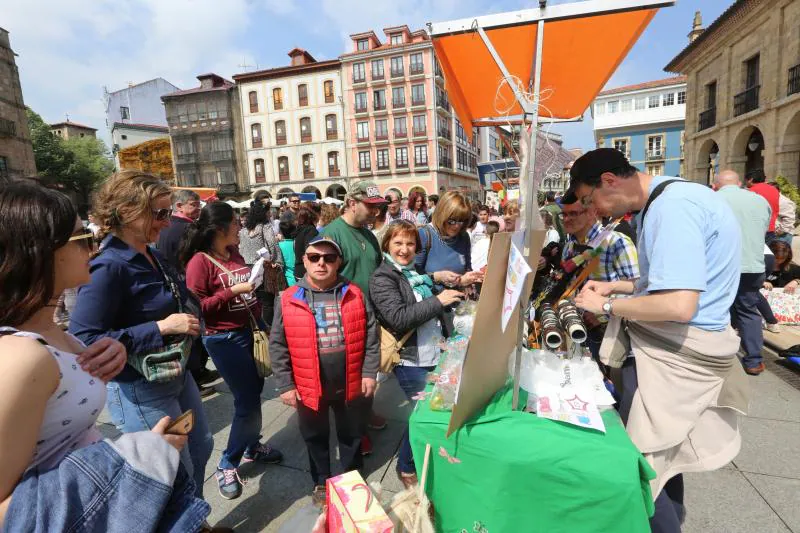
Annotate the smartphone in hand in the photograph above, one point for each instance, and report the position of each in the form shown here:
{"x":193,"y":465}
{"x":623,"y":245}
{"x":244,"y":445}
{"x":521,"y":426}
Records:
{"x":182,"y":425}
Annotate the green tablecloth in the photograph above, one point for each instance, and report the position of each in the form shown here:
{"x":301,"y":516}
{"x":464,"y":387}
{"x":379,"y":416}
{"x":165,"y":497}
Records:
{"x":520,"y":473}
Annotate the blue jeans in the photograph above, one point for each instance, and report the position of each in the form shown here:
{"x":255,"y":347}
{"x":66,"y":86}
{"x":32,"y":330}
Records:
{"x":232,"y":353}
{"x":412,"y":379}
{"x":139,"y":405}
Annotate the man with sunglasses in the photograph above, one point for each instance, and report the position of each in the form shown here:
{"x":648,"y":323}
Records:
{"x":336,"y":372}
{"x":682,"y":384}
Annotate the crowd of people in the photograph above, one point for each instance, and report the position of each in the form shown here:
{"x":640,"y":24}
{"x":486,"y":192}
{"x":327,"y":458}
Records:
{"x":157,"y":284}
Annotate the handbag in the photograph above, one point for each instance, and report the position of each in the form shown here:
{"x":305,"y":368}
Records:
{"x":390,"y":349}
{"x":260,"y":337}
{"x":169,"y":362}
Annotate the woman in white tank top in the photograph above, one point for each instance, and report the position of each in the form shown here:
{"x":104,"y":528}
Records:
{"x":53,"y":386}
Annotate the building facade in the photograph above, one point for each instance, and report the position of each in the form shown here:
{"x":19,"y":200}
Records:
{"x":203,"y":135}
{"x":16,"y":150}
{"x":72,"y":130}
{"x":293,"y":128}
{"x":743,"y":94}
{"x":125,"y":135}
{"x":646,"y":123}
{"x":401,"y":130}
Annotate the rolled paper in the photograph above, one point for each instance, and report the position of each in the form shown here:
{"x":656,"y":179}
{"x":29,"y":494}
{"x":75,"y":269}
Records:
{"x":571,"y":321}
{"x":551,"y":328}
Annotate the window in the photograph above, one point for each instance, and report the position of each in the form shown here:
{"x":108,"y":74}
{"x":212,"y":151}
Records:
{"x":359,"y":75}
{"x":421,"y":155}
{"x":681,"y":97}
{"x":400,"y":127}
{"x":381,"y":129}
{"x":382,"y":159}
{"x":445,"y":157}
{"x":396,"y":39}
{"x":328,"y":90}
{"x":377,"y":69}
{"x":418,"y":94}
{"x":655,"y":170}
{"x":277,"y":98}
{"x":363,"y":161}
{"x":711,"y":95}
{"x":280,"y":132}
{"x":305,"y":130}
{"x":653,"y":101}
{"x":361,"y":102}
{"x":258,"y":167}
{"x":751,"y":72}
{"x":333,"y":164}
{"x":398,"y":97}
{"x":419,"y":125}
{"x":302,"y":94}
{"x":331,"y":132}
{"x":362,"y":131}
{"x":655,"y":146}
{"x":401,"y":157}
{"x":416,"y":65}
{"x":379,"y":99}
{"x":308,"y":166}
{"x":639,"y":103}
{"x":397,"y":67}
{"x":669,"y":99}
{"x":362,"y":44}
{"x":253,"y":97}
{"x":255,"y":132}
{"x":626,"y":105}
{"x":283,"y":168}
{"x":621,"y":145}
{"x":599,"y":108}
{"x":125,"y":112}
{"x":613,"y":106}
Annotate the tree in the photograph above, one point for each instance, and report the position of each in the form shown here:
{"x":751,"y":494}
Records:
{"x":52,"y":160}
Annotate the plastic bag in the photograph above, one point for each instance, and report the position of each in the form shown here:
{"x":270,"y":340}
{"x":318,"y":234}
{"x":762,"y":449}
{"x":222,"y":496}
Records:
{"x":464,"y":319}
{"x":445,"y":390}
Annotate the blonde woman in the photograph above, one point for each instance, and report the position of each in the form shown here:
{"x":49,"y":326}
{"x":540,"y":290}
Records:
{"x":133,"y":297}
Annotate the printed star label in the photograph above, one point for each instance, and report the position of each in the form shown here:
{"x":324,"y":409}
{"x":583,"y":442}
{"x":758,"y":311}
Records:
{"x":577,"y":404}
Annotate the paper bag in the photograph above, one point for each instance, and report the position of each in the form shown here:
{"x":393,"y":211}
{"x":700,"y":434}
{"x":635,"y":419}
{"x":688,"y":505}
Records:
{"x":352,"y":507}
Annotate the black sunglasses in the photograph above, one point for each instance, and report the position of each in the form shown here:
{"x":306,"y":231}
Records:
{"x":162,"y":214}
{"x":328,"y":258}
{"x":454,"y":222}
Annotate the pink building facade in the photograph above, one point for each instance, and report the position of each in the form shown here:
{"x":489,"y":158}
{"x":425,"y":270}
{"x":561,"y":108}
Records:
{"x":401,"y":131}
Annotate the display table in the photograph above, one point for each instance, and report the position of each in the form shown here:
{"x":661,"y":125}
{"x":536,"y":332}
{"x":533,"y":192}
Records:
{"x":508,"y":472}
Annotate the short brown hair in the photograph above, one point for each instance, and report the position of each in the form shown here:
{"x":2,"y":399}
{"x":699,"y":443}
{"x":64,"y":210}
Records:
{"x":398,"y":227}
{"x":126,"y":197}
{"x":452,"y":205}
{"x":329,"y":214}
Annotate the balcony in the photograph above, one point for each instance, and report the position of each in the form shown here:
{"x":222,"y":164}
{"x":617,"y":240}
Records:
{"x":420,"y":133}
{"x":400,"y":134}
{"x":186,"y":159}
{"x":308,"y":174}
{"x":443,"y":104}
{"x":746,"y":101}
{"x":331,"y":135}
{"x":707,"y":119}
{"x":379,"y":106}
{"x":378,"y":76}
{"x":261,"y":178}
{"x":416,"y":70}
{"x":305,"y":138}
{"x":364,"y":170}
{"x":333,"y":172}
{"x":415,"y":103}
{"x":381,"y":137}
{"x":359,"y":79}
{"x":257,"y":143}
{"x":280,"y":140}
{"x":398,"y":104}
{"x":397,"y":74}
{"x":794,"y":80}
{"x":360,"y":109}
{"x":283,"y":176}
{"x":655,"y":155}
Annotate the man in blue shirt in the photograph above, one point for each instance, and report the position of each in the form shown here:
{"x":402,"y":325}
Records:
{"x":689,"y":254}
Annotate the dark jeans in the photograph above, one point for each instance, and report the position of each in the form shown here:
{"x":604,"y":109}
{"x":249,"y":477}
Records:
{"x":412,"y":379}
{"x":669,"y":510}
{"x":746,"y":318}
{"x":315,"y":428}
{"x":763,"y":304}
{"x":267,"y":306}
{"x":197,"y":360}
{"x":232,"y":353}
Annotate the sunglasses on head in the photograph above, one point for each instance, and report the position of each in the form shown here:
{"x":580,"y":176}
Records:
{"x":162,"y":214}
{"x":328,"y":258}
{"x":84,"y":237}
{"x":454,"y":222}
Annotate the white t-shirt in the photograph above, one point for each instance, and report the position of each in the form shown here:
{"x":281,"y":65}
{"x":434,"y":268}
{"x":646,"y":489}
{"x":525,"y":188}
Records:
{"x":480,"y":253}
{"x":551,"y":236}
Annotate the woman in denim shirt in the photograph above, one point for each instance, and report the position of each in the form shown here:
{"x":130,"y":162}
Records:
{"x":128,"y":299}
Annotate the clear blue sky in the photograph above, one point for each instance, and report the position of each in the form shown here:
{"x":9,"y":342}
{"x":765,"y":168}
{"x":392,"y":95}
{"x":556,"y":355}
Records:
{"x":69,"y":49}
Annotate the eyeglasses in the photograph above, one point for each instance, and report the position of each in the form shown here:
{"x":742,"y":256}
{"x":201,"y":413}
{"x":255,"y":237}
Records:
{"x":328,"y":258}
{"x":586,"y":200}
{"x":294,"y":201}
{"x":566,"y":214}
{"x":162,"y":214}
{"x":86,"y":238}
{"x":454,"y":222}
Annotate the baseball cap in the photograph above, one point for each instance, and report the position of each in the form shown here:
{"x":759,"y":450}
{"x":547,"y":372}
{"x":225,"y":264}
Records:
{"x":367,"y":192}
{"x":586,"y":170}
{"x":319,"y":239}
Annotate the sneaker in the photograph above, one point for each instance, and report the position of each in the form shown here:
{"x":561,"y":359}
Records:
{"x":263,"y":453}
{"x":773,"y":328}
{"x":755,"y":370}
{"x":366,"y":445}
{"x":319,"y":495}
{"x":230,"y":484}
{"x":376,"y":422}
{"x":206,"y":528}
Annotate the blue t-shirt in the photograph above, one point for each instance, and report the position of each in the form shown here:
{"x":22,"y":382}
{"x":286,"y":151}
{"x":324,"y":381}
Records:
{"x":691,"y":241}
{"x":445,"y":254}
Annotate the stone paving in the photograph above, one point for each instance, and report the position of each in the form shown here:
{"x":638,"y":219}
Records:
{"x":758,"y":493}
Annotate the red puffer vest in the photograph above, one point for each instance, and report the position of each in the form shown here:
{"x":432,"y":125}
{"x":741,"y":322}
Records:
{"x":301,"y":338}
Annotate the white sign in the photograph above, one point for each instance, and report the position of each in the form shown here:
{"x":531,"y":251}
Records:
{"x":518,"y":270}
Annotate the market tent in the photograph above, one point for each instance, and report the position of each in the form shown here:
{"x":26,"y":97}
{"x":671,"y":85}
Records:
{"x":584,"y":43}
{"x":206,"y":193}
{"x":332,"y":201}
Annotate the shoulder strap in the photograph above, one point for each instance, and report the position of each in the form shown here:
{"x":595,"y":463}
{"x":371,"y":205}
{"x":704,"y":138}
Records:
{"x":404,"y":339}
{"x":430,"y":241}
{"x":657,"y":192}
{"x":170,"y":283}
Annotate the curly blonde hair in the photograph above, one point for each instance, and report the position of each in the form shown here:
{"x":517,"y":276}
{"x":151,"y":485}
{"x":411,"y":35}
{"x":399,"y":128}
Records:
{"x":125,"y":197}
{"x":329,"y":214}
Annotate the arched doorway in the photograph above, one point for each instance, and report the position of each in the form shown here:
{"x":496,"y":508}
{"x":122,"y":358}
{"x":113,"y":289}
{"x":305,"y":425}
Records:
{"x":285,"y":193}
{"x":418,"y":188}
{"x":789,"y":151}
{"x":313,"y":189}
{"x":261,"y":191}
{"x":708,"y":161}
{"x":336,"y":191}
{"x":748,"y":147}
{"x":395,"y":190}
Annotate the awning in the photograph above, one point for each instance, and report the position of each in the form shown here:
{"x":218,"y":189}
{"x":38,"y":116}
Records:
{"x":205,"y":193}
{"x":584,"y":43}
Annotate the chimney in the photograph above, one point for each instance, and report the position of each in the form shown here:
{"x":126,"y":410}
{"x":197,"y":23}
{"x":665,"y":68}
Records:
{"x":300,"y":57}
{"x":697,"y":27}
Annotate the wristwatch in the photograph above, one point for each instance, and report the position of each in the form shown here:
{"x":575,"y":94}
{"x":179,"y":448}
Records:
{"x":608,"y":307}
